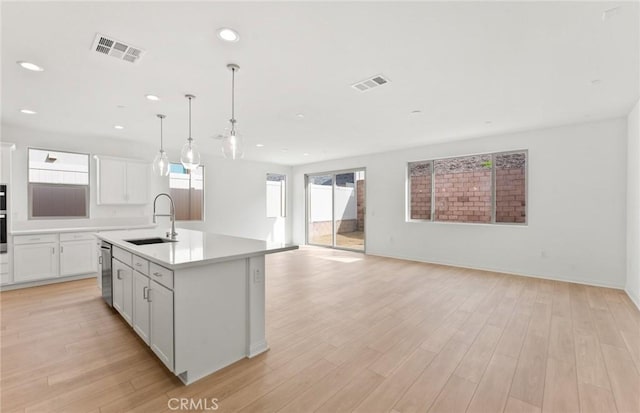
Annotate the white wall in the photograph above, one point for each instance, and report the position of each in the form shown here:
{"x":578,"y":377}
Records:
{"x":633,"y":205}
{"x":235,"y":195}
{"x":236,"y":200}
{"x":577,"y":203}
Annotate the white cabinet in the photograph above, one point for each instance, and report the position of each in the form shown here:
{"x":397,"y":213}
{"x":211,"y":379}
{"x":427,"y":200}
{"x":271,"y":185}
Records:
{"x":98,"y":255}
{"x":5,"y":162}
{"x":122,"y":283}
{"x":77,"y":257}
{"x":35,"y":261}
{"x":152,"y":302}
{"x":161,"y":315}
{"x":122,"y":181}
{"x":111,"y":181}
{"x":141,"y":305}
{"x":5,"y":275}
{"x":38,"y":257}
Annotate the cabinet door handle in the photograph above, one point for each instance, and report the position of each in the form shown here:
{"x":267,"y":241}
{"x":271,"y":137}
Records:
{"x":53,"y":250}
{"x":118,"y":274}
{"x":148,"y":294}
{"x":145,"y":292}
{"x":99,"y":259}
{"x":157,"y":274}
{"x":61,"y":249}
{"x":138,"y":264}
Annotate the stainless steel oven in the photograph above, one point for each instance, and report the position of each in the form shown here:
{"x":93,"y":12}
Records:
{"x":4,"y":219}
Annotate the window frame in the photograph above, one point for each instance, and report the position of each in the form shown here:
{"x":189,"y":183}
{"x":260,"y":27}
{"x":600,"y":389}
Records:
{"x":493,"y":190}
{"x":283,"y":195}
{"x":204,"y":198}
{"x":30,"y":188}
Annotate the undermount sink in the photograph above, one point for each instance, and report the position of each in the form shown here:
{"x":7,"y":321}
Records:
{"x":147,"y":241}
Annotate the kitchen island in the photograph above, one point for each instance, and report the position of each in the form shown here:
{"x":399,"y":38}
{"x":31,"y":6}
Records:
{"x":198,"y":301}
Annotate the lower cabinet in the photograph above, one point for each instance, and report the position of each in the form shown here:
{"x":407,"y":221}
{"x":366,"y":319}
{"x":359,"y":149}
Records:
{"x":77,"y":257}
{"x":122,"y":285}
{"x":35,"y":261}
{"x":161,"y":322}
{"x":141,"y":305}
{"x":39,"y":257}
{"x":152,"y":316}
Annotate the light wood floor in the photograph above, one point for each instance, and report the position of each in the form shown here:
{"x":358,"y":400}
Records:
{"x":347,"y":333}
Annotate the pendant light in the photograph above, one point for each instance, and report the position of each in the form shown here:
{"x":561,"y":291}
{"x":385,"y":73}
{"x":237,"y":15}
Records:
{"x":232,"y":142}
{"x":190,"y":155}
{"x":161,"y":161}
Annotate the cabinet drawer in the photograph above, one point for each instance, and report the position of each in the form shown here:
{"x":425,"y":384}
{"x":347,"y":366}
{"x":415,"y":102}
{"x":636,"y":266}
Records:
{"x":122,"y":255}
{"x":76,"y":236}
{"x":34,"y":239}
{"x":141,"y":265}
{"x":161,"y":275}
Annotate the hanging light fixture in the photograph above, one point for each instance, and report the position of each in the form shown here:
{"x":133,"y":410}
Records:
{"x":161,"y":161}
{"x":232,"y":142}
{"x":190,"y":155}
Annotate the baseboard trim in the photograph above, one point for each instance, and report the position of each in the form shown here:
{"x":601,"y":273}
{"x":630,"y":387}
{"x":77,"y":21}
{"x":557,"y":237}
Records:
{"x":635,"y":300}
{"x":38,"y":283}
{"x":500,"y":271}
{"x":257,"y":348}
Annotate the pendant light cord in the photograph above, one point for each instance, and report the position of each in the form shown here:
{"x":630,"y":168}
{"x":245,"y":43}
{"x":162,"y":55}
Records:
{"x":161,"y":146}
{"x":233,"y":99}
{"x":190,"y":119}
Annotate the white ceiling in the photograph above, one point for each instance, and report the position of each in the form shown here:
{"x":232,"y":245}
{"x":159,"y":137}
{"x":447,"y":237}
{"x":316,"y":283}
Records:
{"x":516,"y":65}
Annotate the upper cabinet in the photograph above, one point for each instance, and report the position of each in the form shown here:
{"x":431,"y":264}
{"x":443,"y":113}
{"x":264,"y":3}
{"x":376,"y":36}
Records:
{"x":122,"y":181}
{"x":5,"y":162}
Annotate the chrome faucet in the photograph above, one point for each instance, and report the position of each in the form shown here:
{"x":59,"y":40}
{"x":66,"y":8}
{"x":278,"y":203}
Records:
{"x":171,"y":214}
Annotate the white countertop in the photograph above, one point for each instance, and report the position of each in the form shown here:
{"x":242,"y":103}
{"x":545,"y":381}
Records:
{"x":193,"y":248}
{"x":79,"y":229}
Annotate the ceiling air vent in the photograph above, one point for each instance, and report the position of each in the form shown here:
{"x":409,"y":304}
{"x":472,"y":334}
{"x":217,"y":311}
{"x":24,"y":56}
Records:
{"x":371,"y":83}
{"x":109,"y":46}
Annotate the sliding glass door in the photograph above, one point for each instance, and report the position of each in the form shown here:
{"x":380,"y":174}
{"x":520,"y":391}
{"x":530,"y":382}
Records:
{"x":336,"y":209}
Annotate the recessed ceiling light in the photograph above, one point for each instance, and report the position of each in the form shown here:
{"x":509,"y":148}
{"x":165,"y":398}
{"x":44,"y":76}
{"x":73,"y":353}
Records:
{"x":305,"y":154}
{"x":121,"y":106}
{"x":152,"y":97}
{"x":300,"y":115}
{"x":284,"y":149}
{"x":259,"y":145}
{"x":30,"y":66}
{"x":118,"y":127}
{"x":228,"y":35}
{"x":28,"y":111}
{"x":595,"y":82}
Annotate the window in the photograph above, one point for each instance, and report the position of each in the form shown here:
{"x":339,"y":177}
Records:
{"x":187,"y":190}
{"x":487,"y":188}
{"x":276,"y":195}
{"x":58,"y":184}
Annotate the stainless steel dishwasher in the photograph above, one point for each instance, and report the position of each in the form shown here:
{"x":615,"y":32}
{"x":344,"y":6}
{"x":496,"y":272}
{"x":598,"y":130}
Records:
{"x":107,"y":288}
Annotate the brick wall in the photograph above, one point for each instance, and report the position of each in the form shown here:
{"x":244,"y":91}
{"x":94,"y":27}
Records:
{"x":360,"y":204}
{"x":421,"y":197}
{"x":510,"y":195}
{"x":463,"y":196}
